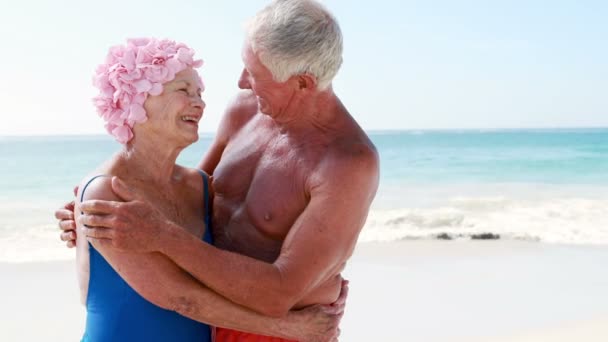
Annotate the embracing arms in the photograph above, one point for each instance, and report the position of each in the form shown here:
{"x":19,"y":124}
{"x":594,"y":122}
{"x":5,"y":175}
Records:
{"x":315,"y":249}
{"x":175,"y":289}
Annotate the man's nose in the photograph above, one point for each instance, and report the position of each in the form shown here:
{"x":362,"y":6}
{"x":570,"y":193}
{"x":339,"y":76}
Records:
{"x":244,"y":80}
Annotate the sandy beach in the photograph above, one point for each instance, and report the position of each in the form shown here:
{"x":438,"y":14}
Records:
{"x":477,"y":291}
{"x":400,"y":291}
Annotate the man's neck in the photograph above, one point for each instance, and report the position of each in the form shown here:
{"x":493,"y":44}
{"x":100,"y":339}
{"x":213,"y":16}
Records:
{"x":323,"y":111}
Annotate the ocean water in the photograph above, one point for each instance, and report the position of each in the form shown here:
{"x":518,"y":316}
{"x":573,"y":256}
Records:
{"x":548,"y":185}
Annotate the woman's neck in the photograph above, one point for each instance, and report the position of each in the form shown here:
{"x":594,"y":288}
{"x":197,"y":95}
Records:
{"x":148,"y":160}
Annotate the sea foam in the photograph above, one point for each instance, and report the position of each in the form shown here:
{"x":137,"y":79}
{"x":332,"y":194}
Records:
{"x":563,"y":220}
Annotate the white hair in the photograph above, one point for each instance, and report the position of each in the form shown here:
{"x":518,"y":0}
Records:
{"x":292,"y":37}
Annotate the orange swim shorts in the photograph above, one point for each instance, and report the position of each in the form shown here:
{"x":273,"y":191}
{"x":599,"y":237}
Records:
{"x":227,"y":335}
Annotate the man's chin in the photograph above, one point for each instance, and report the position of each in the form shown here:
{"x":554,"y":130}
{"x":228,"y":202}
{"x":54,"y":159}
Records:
{"x":264,"y":110}
{"x":263,"y":107}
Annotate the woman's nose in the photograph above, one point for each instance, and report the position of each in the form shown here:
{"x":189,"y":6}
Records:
{"x":199,"y":103}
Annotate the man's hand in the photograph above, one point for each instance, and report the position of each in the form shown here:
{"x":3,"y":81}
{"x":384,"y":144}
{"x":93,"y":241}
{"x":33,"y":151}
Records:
{"x":132,"y":225}
{"x":319,"y":323}
{"x":65,"y":215}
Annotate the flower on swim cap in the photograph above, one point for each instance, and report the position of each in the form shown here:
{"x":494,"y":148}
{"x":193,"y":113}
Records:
{"x":130,"y":73}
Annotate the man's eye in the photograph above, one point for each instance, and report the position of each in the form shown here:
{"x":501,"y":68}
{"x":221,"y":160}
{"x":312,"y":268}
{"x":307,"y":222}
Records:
{"x":185,"y":90}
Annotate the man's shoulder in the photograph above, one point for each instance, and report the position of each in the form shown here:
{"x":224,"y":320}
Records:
{"x":354,"y":152}
{"x":350,"y":159}
{"x":240,"y":110}
{"x":243,"y":106}
{"x":352,"y":145}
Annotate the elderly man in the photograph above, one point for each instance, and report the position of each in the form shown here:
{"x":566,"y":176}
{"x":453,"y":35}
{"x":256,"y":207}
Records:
{"x":293,"y":177}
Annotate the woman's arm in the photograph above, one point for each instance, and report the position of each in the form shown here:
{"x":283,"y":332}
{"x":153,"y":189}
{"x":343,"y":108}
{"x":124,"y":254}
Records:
{"x":174,"y":289}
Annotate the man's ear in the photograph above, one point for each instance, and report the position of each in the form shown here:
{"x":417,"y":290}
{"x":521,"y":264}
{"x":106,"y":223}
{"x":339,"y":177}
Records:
{"x":306,"y":82}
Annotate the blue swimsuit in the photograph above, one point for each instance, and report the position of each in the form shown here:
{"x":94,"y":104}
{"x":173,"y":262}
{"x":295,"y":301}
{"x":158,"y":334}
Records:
{"x":116,"y":313}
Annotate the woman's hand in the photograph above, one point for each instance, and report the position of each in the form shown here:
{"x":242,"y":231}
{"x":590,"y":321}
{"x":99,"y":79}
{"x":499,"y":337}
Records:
{"x":318,"y":323}
{"x":65,"y":215}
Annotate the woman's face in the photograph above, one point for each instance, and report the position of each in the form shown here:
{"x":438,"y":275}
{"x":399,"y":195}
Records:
{"x":173,"y":116}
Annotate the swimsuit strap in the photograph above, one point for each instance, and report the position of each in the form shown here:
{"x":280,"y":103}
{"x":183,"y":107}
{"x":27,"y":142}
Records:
{"x":89,"y":182}
{"x":207,"y":203}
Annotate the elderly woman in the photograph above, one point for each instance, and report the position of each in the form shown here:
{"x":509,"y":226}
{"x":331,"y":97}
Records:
{"x":150,"y":98}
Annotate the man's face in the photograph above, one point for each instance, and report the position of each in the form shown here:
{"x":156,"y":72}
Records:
{"x":273,"y":97}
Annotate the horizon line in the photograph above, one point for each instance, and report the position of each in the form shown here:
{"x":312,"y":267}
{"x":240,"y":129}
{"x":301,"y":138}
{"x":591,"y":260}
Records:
{"x":379,"y":130}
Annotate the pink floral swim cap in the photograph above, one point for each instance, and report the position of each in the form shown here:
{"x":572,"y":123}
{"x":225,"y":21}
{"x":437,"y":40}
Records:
{"x":130,"y":73}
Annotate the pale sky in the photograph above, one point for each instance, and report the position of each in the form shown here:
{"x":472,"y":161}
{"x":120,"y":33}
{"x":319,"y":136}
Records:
{"x":419,"y":64}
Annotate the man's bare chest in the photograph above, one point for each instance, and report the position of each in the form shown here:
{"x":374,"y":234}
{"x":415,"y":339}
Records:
{"x":262,"y":184}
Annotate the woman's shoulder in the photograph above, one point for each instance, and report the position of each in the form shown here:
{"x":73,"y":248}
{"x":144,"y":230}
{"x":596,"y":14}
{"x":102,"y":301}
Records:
{"x":193,"y":177}
{"x":195,"y":181}
{"x":96,"y":186}
{"x":190,"y":173}
{"x":98,"y":183}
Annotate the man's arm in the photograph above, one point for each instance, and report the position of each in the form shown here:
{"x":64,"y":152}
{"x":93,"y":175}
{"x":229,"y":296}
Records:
{"x":174,"y":289}
{"x":213,"y":154}
{"x":316,"y":247}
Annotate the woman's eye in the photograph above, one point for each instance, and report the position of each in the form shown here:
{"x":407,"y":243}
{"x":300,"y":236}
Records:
{"x":184,"y":90}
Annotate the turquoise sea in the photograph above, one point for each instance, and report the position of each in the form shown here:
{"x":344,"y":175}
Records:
{"x":547,"y":185}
